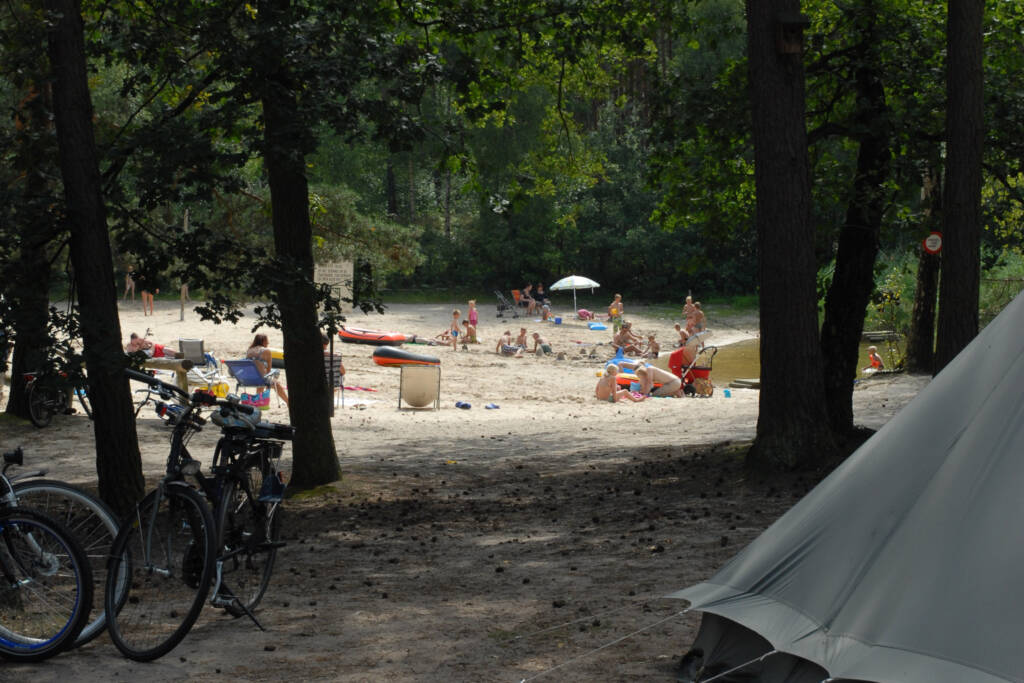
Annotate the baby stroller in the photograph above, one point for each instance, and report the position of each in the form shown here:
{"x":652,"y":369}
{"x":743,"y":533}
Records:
{"x":504,"y":305}
{"x":696,"y":374}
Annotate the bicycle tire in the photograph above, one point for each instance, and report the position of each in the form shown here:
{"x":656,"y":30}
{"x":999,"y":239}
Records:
{"x":47,"y":592}
{"x":41,"y":402}
{"x":249,"y":534}
{"x":89,"y":520}
{"x":166,"y":588}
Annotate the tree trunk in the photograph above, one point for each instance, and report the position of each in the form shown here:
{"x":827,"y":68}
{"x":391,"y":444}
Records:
{"x":965,"y":130}
{"x":921,"y":338}
{"x":853,"y":282}
{"x":792,"y":425}
{"x":286,"y":135}
{"x":118,"y":463}
{"x":30,"y":317}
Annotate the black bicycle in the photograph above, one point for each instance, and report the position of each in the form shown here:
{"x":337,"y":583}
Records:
{"x":49,"y":394}
{"x":175,"y":551}
{"x":88,"y":519}
{"x":46,"y":587}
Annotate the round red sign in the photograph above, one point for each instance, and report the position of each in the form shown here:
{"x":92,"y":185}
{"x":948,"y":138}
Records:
{"x":933,"y":243}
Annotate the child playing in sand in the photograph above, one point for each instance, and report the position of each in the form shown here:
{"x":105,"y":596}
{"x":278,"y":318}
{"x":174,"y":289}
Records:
{"x":653,"y":347}
{"x":521,"y":339}
{"x":505,"y":346}
{"x":469,"y":333}
{"x":451,"y":335}
{"x":608,"y":390}
{"x":542,"y":344}
{"x":874,"y":361}
{"x":683,"y":335}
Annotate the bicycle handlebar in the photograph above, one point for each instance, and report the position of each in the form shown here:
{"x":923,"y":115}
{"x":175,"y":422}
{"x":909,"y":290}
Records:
{"x":196,"y":398}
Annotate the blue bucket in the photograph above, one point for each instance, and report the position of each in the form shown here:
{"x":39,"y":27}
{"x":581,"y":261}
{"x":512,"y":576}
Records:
{"x":558,"y":321}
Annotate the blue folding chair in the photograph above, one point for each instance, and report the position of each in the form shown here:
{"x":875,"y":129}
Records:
{"x":247,"y":374}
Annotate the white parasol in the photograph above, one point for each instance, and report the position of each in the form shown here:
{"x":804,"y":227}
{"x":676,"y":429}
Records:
{"x":574,"y":282}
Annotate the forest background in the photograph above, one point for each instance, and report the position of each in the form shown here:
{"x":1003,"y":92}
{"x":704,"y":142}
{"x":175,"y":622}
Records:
{"x":483,"y":145}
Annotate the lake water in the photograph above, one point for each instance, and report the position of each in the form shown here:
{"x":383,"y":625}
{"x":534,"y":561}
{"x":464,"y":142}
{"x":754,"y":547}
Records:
{"x":742,"y":361}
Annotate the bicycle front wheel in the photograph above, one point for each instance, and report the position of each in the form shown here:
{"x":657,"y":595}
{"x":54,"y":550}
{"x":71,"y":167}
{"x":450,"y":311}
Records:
{"x":167,"y":550}
{"x":42,"y":402}
{"x":88,"y":519}
{"x":249,"y":537}
{"x":46,"y":593}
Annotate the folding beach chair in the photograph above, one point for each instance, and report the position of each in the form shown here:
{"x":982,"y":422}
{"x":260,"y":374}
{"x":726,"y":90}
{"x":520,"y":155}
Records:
{"x":205,"y":369}
{"x":332,"y":368}
{"x":247,"y":374}
{"x":504,"y":305}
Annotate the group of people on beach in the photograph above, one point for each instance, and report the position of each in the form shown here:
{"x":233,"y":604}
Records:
{"x":466,"y":329}
{"x":507,"y":347}
{"x":535,"y":301}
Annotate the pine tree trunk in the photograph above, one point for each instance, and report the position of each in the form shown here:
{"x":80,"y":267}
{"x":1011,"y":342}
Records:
{"x":118,"y":463}
{"x":792,"y":425}
{"x":959,"y":283}
{"x":286,"y":136}
{"x":920,"y":355}
{"x":853,"y":282}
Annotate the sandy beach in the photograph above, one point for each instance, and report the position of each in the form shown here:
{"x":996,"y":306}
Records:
{"x":457,"y":532}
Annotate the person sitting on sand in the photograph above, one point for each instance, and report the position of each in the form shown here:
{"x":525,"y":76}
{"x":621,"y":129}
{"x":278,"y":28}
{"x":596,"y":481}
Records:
{"x":521,"y":339}
{"x":874,"y":361}
{"x":541,"y":343}
{"x":584,"y":314}
{"x":469,"y":333}
{"x":505,"y":347}
{"x":608,"y":390}
{"x":151,"y":349}
{"x":653,"y":347}
{"x":627,"y":341}
{"x":260,"y":354}
{"x":683,"y":335}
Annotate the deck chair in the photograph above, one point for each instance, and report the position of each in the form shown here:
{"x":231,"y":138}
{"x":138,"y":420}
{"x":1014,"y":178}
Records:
{"x":205,"y":370}
{"x":419,"y":386}
{"x":248,"y":374}
{"x":332,"y":368}
{"x":504,"y":305}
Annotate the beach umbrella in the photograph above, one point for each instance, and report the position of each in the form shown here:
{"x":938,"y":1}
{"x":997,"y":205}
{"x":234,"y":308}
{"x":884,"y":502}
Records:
{"x":574,"y":282}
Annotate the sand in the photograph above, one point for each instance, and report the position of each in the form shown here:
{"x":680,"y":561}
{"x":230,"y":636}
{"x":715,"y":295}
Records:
{"x":459,"y":537}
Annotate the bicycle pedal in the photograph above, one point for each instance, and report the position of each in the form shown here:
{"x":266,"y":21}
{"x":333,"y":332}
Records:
{"x":268,"y":545}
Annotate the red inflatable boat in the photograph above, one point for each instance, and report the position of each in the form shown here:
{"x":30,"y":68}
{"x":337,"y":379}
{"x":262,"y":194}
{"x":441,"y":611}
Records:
{"x":358,"y":335}
{"x":390,"y":356}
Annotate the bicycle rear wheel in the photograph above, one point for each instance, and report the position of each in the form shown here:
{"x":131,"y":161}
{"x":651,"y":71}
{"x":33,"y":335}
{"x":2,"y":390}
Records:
{"x":249,"y":537}
{"x":46,"y":591}
{"x":89,"y":520}
{"x":167,"y":550}
{"x":42,"y":402}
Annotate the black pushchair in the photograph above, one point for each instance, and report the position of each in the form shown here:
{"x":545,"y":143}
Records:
{"x":505,"y":306}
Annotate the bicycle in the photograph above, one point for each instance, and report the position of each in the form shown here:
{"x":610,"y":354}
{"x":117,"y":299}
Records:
{"x":49,"y":394}
{"x":47,"y":588}
{"x":174,"y":550}
{"x":88,"y":519}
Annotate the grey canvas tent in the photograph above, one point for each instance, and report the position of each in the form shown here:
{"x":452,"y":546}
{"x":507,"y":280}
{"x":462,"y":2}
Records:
{"x":906,"y":564}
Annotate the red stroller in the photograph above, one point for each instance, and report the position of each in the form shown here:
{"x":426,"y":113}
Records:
{"x":694,"y":368}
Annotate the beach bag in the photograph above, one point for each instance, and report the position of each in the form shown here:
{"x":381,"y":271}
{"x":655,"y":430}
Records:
{"x":259,"y":400}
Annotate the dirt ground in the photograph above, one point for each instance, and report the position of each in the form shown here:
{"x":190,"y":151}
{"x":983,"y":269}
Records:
{"x":530,"y":542}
